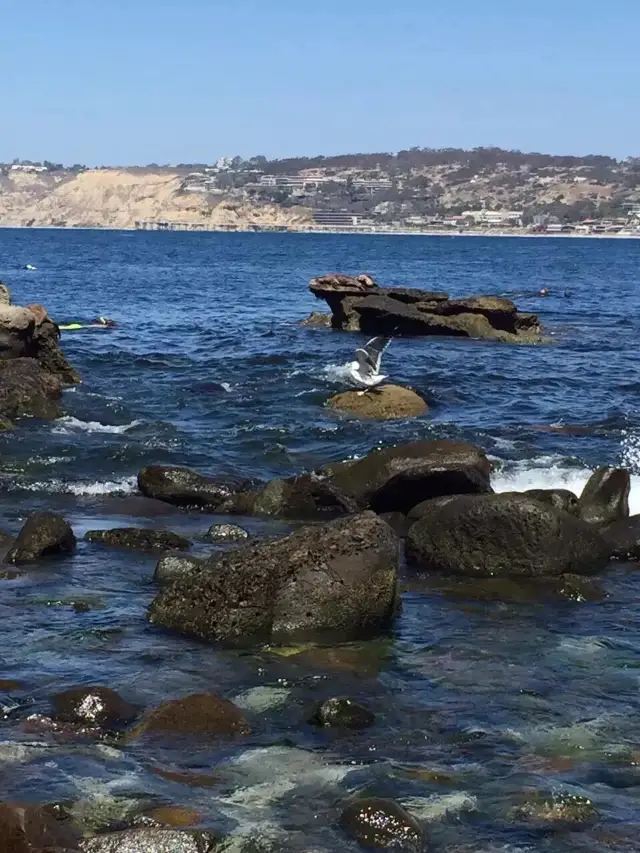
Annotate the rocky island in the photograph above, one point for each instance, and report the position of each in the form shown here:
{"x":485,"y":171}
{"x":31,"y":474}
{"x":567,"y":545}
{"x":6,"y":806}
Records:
{"x":359,"y":304}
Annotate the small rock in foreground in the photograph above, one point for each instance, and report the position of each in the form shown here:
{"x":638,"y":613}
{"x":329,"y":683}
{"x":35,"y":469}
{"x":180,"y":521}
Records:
{"x":139,"y":539}
{"x":387,"y":402}
{"x":384,"y":825}
{"x":44,"y":534}
{"x":186,"y":488}
{"x":174,"y":567}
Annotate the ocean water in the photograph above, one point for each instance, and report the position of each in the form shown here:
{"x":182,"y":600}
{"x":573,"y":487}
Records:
{"x":210,"y":368}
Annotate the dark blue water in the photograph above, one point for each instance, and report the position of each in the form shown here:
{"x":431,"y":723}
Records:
{"x":210,"y":368}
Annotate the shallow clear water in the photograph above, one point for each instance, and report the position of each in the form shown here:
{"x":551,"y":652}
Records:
{"x":209,"y":368}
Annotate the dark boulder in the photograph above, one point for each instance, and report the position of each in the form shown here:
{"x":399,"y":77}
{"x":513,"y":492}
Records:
{"x":623,"y":538}
{"x":151,"y":840}
{"x":341,"y":714}
{"x":186,"y":488}
{"x":139,"y":539}
{"x":97,"y":706}
{"x":503,"y":536}
{"x":384,"y":825}
{"x":559,"y":498}
{"x":305,"y":496}
{"x":330,"y":581}
{"x":34,"y":829}
{"x":44,"y":534}
{"x":395,"y":479}
{"x":317,"y":320}
{"x":226,"y":533}
{"x":605,"y":498}
{"x":26,"y":390}
{"x":202,"y":714}
{"x":172,"y":567}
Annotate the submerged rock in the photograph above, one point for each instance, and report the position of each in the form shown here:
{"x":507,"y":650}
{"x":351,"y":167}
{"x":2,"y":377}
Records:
{"x":227,"y":533}
{"x":504,"y":536}
{"x":150,"y":840}
{"x":384,"y":825}
{"x":44,"y":534}
{"x":202,"y":714}
{"x":623,"y":538}
{"x":186,"y":488}
{"x":317,"y":320}
{"x":395,"y":479}
{"x":34,"y":829}
{"x":605,"y":498}
{"x":335,"y":581}
{"x":341,"y":714}
{"x":139,"y":539}
{"x":409,"y":311}
{"x":549,"y":810}
{"x":387,"y":402}
{"x":98,"y":706}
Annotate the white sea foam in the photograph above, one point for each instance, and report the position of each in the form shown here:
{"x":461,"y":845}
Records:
{"x":547,"y":472}
{"x":124,"y":486}
{"x":338,"y":373}
{"x":68,"y":424}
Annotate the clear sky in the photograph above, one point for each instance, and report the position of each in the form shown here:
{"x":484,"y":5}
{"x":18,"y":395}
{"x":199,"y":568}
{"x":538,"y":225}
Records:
{"x":137,"y":81}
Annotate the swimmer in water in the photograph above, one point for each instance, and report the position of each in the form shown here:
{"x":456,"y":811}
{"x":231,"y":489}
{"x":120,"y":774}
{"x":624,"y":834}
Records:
{"x":544,"y":292}
{"x":103,"y":321}
{"x":100,"y":323}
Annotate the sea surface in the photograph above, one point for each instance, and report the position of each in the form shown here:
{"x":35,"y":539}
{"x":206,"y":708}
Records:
{"x":478,"y":703}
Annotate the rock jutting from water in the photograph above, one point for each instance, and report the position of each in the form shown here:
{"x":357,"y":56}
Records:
{"x":139,"y":539}
{"x":387,"y":402}
{"x":44,"y":534}
{"x":605,"y":497}
{"x":33,"y":369}
{"x":334,"y":582}
{"x":359,"y":306}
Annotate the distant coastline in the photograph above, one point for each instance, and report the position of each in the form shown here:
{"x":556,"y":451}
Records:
{"x":373,"y":232}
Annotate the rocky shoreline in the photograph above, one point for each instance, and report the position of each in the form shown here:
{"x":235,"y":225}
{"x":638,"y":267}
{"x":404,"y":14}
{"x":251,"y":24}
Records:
{"x":421,"y":511}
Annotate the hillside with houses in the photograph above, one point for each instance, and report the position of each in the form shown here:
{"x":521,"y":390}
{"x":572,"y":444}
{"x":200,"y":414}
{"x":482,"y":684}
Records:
{"x":486,"y":189}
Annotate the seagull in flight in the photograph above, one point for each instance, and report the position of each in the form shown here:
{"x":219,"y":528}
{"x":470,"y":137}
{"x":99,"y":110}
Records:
{"x":365,"y":370}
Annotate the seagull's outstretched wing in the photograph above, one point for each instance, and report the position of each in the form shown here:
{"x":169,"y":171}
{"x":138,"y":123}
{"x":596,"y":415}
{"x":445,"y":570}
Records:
{"x":370,"y":355}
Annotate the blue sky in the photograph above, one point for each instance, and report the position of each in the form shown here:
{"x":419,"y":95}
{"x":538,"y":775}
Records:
{"x":139,"y":81}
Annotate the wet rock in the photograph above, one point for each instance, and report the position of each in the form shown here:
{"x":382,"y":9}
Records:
{"x":559,"y":498}
{"x":305,"y":496}
{"x":366,"y":660}
{"x":176,"y":816}
{"x":409,"y":311}
{"x":202,"y":714}
{"x":226,"y":533}
{"x":605,"y":498}
{"x":139,"y":539}
{"x":395,"y":479}
{"x":335,"y":581}
{"x":34,"y":829}
{"x":174,"y":567}
{"x":340,"y":713}
{"x":151,"y":840}
{"x":317,"y":320}
{"x":623,"y":538}
{"x":383,"y":825}
{"x":186,"y":488}
{"x":28,"y":390}
{"x":542,"y":810}
{"x":99,"y":706}
{"x":504,"y":536}
{"x":44,"y":534}
{"x":387,"y":402}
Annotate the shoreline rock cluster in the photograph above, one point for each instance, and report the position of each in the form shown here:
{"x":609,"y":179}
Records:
{"x":33,"y":369}
{"x":359,"y":304}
